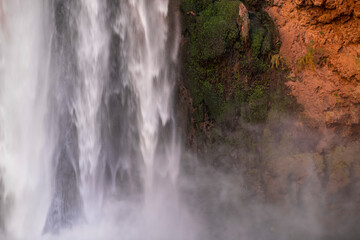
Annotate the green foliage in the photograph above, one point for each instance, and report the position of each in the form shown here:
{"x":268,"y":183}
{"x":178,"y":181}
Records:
{"x":211,"y":33}
{"x":213,"y":99}
{"x":198,"y":114}
{"x":257,"y":38}
{"x":270,"y":40}
{"x":259,"y":66}
{"x":220,"y":89}
{"x":216,"y":29}
{"x":195,"y":5}
{"x":258,"y":104}
{"x":211,"y":39}
{"x":215,"y":55}
{"x":240,"y":95}
{"x":262,"y":31}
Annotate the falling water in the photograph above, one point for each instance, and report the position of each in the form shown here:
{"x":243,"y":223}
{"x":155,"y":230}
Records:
{"x":88,"y":142}
{"x":23,"y":105}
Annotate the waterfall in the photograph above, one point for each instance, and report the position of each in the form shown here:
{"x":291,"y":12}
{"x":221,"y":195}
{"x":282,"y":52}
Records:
{"x":88,"y":140}
{"x":25,"y":166}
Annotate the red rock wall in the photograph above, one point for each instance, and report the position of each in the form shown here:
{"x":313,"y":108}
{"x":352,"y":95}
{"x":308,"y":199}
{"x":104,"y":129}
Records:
{"x":330,"y":93}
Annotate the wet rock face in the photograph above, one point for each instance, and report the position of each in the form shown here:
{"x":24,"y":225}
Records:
{"x":321,"y":43}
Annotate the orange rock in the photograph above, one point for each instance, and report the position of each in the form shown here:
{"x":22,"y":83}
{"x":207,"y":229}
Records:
{"x":330,"y":93}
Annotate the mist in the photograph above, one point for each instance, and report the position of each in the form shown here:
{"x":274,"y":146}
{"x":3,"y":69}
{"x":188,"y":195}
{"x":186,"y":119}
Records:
{"x":294,"y":182}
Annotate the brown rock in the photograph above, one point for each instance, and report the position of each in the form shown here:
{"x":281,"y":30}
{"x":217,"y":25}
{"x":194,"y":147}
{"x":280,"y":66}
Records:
{"x":357,"y":10}
{"x":192,"y":13}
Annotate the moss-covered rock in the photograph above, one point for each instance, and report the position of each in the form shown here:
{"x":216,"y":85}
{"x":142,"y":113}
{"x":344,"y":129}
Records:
{"x":228,"y":78}
{"x":215,"y":30}
{"x":195,"y":5}
{"x":258,"y":104}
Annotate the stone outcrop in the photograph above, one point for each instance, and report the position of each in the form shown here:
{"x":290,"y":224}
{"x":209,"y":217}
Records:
{"x":321,"y":43}
{"x":244,"y":22}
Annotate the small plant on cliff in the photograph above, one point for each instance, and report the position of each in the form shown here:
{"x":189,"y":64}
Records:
{"x":276,"y":61}
{"x":307,"y":60}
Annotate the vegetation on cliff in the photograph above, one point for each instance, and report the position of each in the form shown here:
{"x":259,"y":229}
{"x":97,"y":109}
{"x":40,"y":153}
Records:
{"x":228,"y":67}
{"x":241,"y":119}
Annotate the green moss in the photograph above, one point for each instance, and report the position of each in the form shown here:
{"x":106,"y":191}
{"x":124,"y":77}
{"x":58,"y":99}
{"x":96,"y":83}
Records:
{"x":271,"y":40}
{"x":210,"y":35}
{"x":195,"y":5}
{"x":257,"y":38}
{"x":239,"y":47}
{"x":266,"y":44}
{"x":263,"y":41}
{"x":216,"y":29}
{"x":213,"y":99}
{"x":220,"y":89}
{"x":225,"y":76}
{"x":240,"y":95}
{"x":258,"y":105}
{"x":198,"y":114}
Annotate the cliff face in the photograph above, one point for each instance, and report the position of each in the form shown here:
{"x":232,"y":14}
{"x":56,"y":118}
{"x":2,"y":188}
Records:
{"x":321,"y":43}
{"x":270,"y":89}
